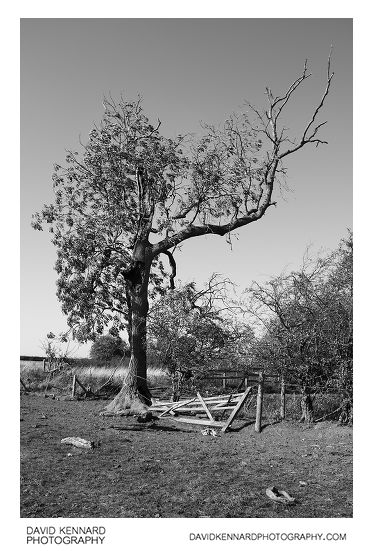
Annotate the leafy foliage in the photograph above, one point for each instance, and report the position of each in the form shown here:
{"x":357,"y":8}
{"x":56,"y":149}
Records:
{"x":108,"y":347}
{"x":95,"y":217}
{"x":182,"y":336}
{"x":193,"y":332}
{"x":307,"y":316}
{"x":130,"y":184}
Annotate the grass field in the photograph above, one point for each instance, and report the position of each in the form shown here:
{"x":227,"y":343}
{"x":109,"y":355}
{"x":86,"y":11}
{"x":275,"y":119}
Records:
{"x":172,"y":470}
{"x":38,"y":380}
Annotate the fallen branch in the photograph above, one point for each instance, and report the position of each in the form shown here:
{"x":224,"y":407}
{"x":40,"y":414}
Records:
{"x":109,"y":379}
{"x":24,"y":386}
{"x":327,"y":415}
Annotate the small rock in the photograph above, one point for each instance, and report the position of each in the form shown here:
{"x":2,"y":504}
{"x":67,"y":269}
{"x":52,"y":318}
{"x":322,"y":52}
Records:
{"x":302,"y":483}
{"x":209,"y":432}
{"x":78,"y":442}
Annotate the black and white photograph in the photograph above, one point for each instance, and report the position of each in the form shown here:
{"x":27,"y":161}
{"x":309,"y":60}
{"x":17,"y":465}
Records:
{"x":186,"y":282}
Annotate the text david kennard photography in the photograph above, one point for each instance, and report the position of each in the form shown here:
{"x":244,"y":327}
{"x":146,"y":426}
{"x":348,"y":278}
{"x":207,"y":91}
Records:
{"x":43,"y":535}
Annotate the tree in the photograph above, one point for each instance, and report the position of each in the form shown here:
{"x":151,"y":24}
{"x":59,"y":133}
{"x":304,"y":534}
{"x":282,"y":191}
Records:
{"x":291,"y":337}
{"x":339,"y":291}
{"x":132,"y":195}
{"x":57,"y":350}
{"x":108,"y":347}
{"x":188,"y":334}
{"x":307,"y":316}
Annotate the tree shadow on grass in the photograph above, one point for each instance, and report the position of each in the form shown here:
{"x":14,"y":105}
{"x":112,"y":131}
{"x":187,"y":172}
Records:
{"x":152,"y":427}
{"x":250,"y":423}
{"x":270,"y":423}
{"x":241,"y":426}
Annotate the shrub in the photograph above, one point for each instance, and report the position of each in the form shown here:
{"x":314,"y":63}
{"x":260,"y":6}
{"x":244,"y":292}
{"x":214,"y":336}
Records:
{"x":107,"y":348}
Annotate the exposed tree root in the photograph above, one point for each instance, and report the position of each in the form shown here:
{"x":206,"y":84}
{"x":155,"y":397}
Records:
{"x":128,"y":402}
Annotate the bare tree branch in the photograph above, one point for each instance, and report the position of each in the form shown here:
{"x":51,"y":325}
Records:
{"x":173,"y":268}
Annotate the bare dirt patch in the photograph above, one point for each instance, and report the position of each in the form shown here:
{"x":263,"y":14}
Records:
{"x":168,"y":470}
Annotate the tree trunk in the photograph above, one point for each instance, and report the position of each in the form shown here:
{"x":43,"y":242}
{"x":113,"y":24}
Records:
{"x":134,"y":398}
{"x":345,"y":385}
{"x":176,"y":386}
{"x":306,"y":406}
{"x":346,"y":414}
{"x":129,"y":317}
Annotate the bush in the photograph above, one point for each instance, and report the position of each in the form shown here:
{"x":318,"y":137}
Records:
{"x":107,"y":348}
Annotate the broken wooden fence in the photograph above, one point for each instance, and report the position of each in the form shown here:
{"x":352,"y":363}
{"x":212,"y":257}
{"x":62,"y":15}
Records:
{"x":209,"y":406}
{"x":226,"y":376}
{"x":87,"y":391}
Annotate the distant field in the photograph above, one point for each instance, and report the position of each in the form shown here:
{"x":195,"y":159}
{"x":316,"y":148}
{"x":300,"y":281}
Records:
{"x":103,"y":373}
{"x":36,"y":379}
{"x":27,"y":365}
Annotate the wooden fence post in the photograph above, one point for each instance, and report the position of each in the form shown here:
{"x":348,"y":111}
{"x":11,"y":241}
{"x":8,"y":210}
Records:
{"x":259,"y":403}
{"x":47,"y":381}
{"x":282,"y":398}
{"x":73,"y":387}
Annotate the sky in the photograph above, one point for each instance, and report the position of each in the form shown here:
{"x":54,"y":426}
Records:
{"x":187,"y":71}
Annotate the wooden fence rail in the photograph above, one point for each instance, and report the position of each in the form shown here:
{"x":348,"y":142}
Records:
{"x":283,"y":399}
